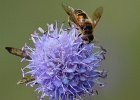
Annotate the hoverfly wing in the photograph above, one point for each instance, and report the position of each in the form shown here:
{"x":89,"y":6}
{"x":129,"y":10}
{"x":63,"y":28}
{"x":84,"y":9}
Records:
{"x":18,"y":52}
{"x":26,"y":79}
{"x":70,"y":11}
{"x":97,"y":15}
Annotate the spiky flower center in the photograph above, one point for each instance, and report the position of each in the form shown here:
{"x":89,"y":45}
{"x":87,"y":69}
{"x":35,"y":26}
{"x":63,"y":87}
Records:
{"x":62,"y":68}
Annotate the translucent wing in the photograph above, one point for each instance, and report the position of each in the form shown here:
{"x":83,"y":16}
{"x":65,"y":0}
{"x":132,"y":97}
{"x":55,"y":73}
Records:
{"x":70,"y":11}
{"x":18,"y":52}
{"x":26,"y":79}
{"x":97,"y":15}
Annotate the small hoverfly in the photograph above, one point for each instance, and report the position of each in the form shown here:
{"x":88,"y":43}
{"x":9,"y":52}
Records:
{"x":18,"y":52}
{"x":21,"y":53}
{"x":83,"y":21}
{"x":26,"y":79}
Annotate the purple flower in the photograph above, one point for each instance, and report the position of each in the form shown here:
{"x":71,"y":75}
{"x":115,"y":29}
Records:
{"x":63,"y":69}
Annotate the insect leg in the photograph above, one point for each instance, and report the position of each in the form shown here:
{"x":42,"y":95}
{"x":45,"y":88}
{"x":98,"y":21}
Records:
{"x":69,"y":22}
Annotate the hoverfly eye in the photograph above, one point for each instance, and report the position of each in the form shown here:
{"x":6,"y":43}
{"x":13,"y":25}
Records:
{"x":87,"y":27}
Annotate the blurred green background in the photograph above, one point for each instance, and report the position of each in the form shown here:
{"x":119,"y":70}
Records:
{"x":118,"y":31}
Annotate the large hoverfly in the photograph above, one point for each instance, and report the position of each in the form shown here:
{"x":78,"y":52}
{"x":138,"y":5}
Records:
{"x":83,"y":21}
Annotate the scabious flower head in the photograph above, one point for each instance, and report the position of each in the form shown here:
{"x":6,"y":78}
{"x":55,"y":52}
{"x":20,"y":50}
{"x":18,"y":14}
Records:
{"x":63,"y":68}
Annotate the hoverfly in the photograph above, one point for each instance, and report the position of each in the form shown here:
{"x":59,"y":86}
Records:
{"x":18,"y":52}
{"x":83,"y":21}
{"x":21,"y":53}
{"x":26,"y":79}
